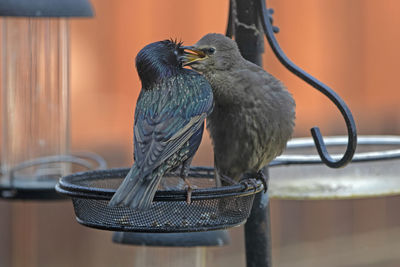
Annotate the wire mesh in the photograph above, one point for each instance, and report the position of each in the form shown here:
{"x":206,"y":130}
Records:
{"x":211,"y":207}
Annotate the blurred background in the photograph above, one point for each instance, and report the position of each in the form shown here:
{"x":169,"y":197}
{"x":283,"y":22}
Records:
{"x":350,"y":45}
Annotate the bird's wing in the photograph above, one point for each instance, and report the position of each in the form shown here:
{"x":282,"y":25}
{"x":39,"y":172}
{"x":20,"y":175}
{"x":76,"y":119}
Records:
{"x":165,"y":120}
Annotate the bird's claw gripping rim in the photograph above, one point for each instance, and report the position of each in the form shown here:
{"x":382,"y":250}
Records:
{"x":264,"y":179}
{"x":249,"y":183}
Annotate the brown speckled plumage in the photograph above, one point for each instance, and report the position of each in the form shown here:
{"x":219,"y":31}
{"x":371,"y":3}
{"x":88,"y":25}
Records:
{"x":254,"y":114}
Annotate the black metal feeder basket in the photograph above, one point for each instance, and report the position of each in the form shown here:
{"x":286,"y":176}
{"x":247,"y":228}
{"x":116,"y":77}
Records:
{"x":211,"y":208}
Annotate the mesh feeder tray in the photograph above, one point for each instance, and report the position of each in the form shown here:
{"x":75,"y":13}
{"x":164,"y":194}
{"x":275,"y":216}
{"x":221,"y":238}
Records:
{"x":212,"y":208}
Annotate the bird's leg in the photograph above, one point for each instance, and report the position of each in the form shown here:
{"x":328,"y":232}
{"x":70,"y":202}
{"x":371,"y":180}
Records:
{"x":264,"y":179}
{"x":188,"y":191}
{"x":221,"y":179}
{"x":217,"y":176}
{"x":227,"y":179}
{"x":184,"y":173}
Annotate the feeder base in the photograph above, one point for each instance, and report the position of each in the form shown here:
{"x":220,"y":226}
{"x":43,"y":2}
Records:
{"x":30,"y":190}
{"x":195,"y":239}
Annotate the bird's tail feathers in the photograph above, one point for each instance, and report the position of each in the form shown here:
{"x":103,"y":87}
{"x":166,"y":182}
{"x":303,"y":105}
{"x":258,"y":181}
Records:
{"x":135,"y":191}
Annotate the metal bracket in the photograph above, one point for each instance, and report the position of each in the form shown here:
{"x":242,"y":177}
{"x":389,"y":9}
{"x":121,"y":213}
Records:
{"x":265,"y":15}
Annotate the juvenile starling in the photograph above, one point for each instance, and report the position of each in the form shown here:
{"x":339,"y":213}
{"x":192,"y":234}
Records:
{"x":254,"y":114}
{"x":169,"y":122}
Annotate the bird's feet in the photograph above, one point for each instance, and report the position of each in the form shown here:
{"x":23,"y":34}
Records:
{"x":250,"y":181}
{"x":189,"y":190}
{"x":184,"y":174}
{"x":264,"y":179}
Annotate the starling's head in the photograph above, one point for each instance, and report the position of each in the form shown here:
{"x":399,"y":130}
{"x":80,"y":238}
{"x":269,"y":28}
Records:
{"x":157,"y":61}
{"x":212,"y":52}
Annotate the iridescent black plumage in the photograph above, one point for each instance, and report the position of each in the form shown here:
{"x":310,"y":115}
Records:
{"x":169,"y":122}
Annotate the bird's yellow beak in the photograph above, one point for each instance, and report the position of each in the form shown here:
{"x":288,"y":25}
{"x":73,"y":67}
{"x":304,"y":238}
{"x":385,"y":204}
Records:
{"x":191,"y":54}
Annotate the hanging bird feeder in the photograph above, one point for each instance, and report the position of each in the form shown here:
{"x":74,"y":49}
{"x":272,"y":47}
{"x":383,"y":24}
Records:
{"x":373,"y":171}
{"x":212,"y":208}
{"x":35,"y":97}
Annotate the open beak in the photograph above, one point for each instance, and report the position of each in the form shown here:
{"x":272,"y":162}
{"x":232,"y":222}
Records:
{"x":191,"y":54}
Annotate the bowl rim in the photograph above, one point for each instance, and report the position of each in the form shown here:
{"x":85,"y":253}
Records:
{"x":68,"y":186}
{"x":331,"y":141}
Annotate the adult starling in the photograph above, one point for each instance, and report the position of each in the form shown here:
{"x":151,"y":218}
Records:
{"x":254,"y":114}
{"x":169,"y":122}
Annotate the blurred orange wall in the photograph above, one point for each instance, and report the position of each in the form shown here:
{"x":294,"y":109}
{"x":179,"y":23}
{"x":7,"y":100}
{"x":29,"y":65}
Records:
{"x":350,"y":45}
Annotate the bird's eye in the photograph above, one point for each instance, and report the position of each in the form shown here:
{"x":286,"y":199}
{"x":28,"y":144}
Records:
{"x":211,"y":50}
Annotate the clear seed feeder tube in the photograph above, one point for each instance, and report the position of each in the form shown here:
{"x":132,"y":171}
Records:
{"x":34,"y":98}
{"x":35,"y":95}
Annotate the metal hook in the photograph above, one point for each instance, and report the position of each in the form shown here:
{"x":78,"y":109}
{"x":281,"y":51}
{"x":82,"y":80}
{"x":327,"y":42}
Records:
{"x":340,"y":104}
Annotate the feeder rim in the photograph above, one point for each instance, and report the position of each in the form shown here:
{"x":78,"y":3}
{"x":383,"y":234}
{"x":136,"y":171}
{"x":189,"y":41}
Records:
{"x":340,"y":141}
{"x":66,"y":186}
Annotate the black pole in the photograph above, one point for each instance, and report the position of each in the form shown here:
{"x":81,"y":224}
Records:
{"x":257,"y":233}
{"x":246,"y":27}
{"x":248,"y":30}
